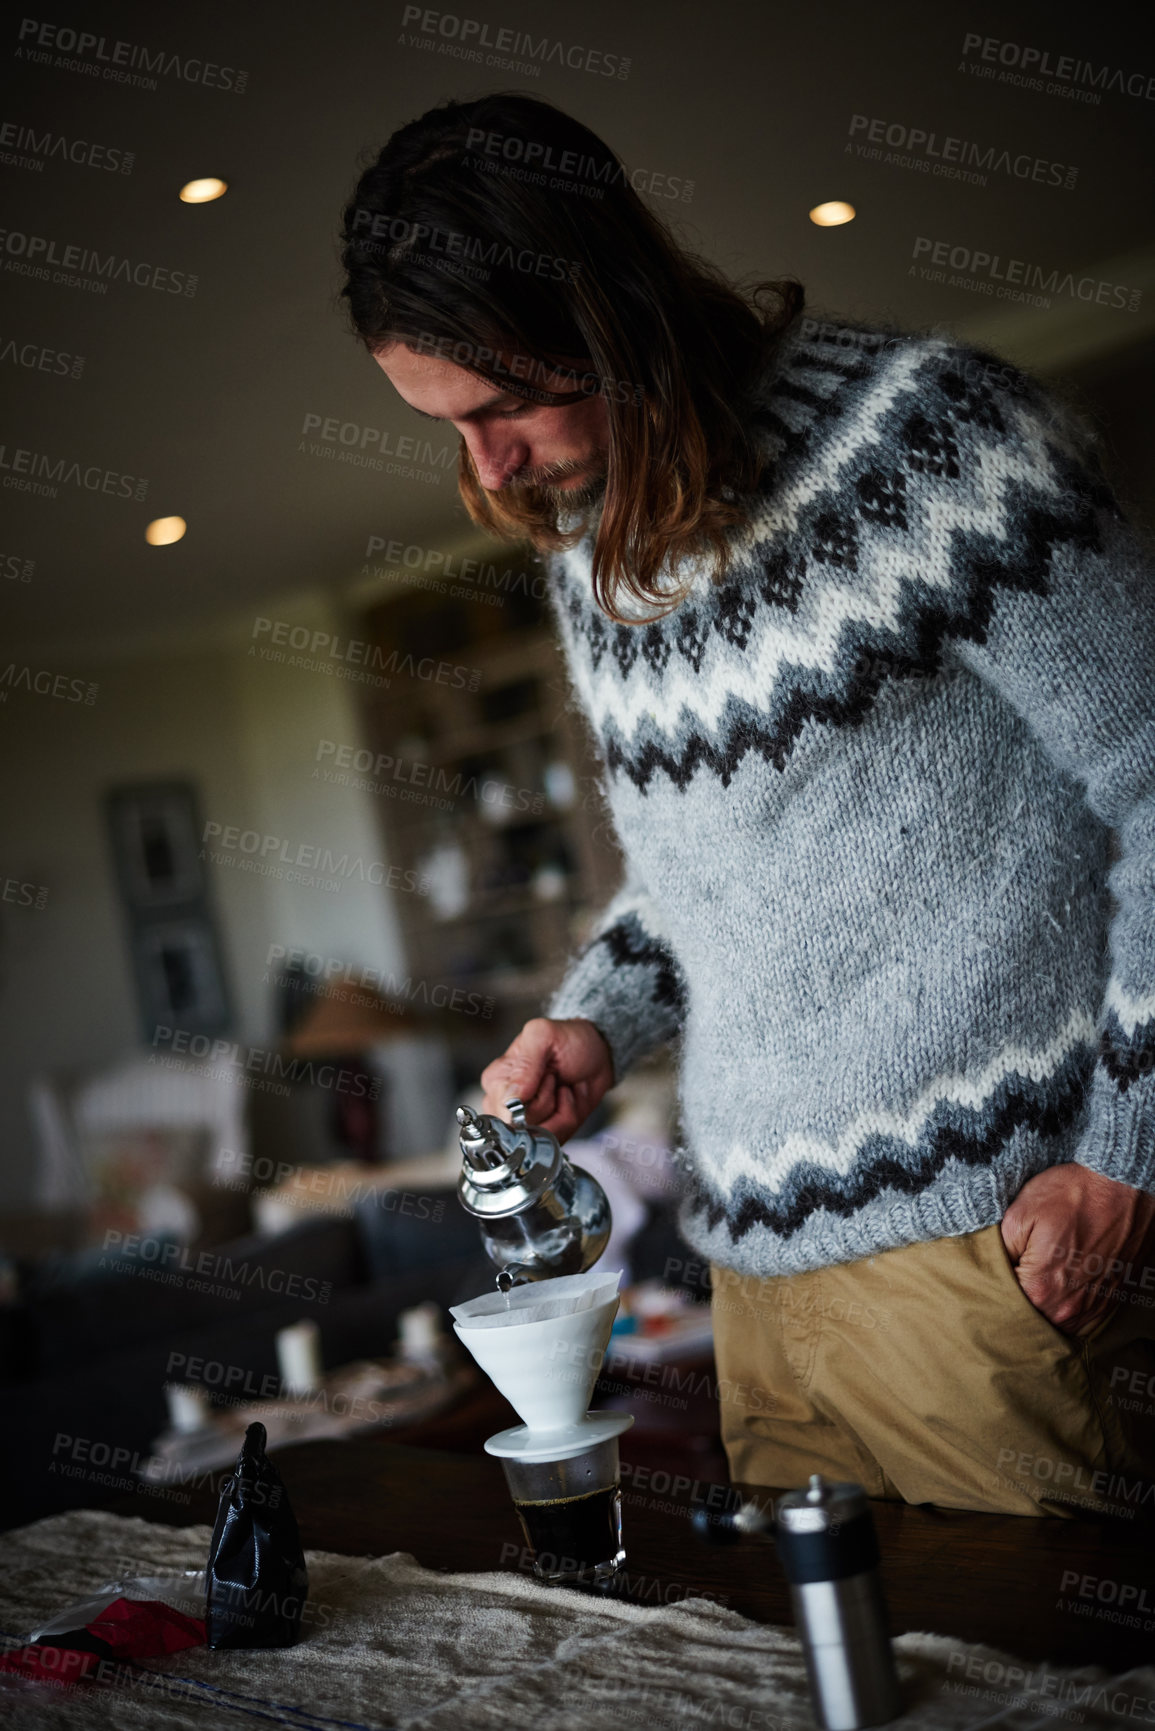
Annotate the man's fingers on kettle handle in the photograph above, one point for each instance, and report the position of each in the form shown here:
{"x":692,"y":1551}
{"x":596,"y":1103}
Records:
{"x":569,"y":1113}
{"x":513,"y":1076}
{"x":565,"y":1097}
{"x":526,"y":1071}
{"x":542,"y":1103}
{"x":548,"y":1108}
{"x":536,"y":1095}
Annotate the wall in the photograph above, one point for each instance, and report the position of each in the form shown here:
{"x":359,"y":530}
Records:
{"x":245,"y":731}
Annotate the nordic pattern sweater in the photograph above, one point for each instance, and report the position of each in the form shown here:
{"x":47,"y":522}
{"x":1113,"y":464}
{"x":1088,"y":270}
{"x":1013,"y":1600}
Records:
{"x":866,"y":787}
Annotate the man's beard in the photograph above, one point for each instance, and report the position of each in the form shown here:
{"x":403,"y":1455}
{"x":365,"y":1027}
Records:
{"x":577,"y":498}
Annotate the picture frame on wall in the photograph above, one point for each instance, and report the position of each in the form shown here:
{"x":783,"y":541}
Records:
{"x":177,"y":959}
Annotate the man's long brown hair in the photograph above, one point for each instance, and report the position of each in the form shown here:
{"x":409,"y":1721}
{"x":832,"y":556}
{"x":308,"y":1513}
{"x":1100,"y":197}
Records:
{"x":504,"y":236}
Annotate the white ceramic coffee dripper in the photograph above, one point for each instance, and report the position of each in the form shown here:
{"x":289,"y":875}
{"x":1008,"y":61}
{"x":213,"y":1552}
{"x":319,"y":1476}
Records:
{"x":542,"y":1346}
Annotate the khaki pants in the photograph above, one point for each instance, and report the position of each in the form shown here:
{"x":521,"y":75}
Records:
{"x":927,"y":1375}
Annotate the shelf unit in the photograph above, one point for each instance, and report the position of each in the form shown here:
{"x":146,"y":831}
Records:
{"x":489,"y":815}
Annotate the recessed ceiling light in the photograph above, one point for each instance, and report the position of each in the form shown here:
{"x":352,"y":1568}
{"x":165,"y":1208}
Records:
{"x":832,"y":214}
{"x":203,"y":191}
{"x":163,"y":531}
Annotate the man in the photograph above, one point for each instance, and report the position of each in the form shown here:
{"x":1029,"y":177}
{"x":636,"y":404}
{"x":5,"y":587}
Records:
{"x":870,"y":654}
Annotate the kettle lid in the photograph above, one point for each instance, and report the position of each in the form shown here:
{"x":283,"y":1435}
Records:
{"x":505,"y":1167}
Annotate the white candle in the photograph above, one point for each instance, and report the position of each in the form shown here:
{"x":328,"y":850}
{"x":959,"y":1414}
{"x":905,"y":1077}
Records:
{"x":188,"y":1408}
{"x":420,"y":1330}
{"x":299,"y":1357}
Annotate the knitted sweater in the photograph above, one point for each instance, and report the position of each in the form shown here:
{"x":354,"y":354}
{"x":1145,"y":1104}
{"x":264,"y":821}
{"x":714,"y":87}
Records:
{"x":866,"y":788}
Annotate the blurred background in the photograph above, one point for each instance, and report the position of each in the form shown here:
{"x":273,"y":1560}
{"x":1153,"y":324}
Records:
{"x":300,"y":822}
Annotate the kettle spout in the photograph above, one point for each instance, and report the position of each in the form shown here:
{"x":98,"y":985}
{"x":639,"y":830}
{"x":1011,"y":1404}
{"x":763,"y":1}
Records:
{"x":515,"y":1274}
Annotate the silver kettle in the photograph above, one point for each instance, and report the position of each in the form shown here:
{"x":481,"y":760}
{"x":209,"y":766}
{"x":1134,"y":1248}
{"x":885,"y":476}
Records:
{"x":540,"y":1215}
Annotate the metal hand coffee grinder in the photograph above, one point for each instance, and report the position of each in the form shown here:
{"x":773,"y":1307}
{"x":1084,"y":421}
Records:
{"x":540,"y":1215}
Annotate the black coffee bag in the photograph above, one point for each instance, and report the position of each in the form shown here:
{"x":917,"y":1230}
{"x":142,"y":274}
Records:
{"x":256,"y":1580}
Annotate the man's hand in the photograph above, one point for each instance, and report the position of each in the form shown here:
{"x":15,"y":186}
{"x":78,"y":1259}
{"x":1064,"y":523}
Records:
{"x":1071,"y":1233}
{"x":558,"y":1069}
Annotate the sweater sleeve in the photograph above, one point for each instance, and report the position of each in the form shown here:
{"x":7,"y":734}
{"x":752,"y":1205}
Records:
{"x":1059,"y":618}
{"x":625,"y":979}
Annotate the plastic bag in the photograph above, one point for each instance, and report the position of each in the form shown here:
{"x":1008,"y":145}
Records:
{"x":256,"y":1580}
{"x":134,"y":1617}
{"x":184,"y":1592}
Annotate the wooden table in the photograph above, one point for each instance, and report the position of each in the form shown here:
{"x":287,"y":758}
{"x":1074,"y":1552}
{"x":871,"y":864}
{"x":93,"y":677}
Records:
{"x":1070,"y":1592}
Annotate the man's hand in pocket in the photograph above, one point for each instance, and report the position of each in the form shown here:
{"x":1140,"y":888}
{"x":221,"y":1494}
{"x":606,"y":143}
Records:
{"x":1071,"y":1235}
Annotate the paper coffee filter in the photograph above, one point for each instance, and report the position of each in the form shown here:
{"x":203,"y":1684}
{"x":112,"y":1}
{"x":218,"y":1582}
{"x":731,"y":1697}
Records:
{"x":539,"y":1301}
{"x":545,"y":1352}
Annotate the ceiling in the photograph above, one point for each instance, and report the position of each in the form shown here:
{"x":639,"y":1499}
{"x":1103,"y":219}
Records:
{"x":207,"y":396}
